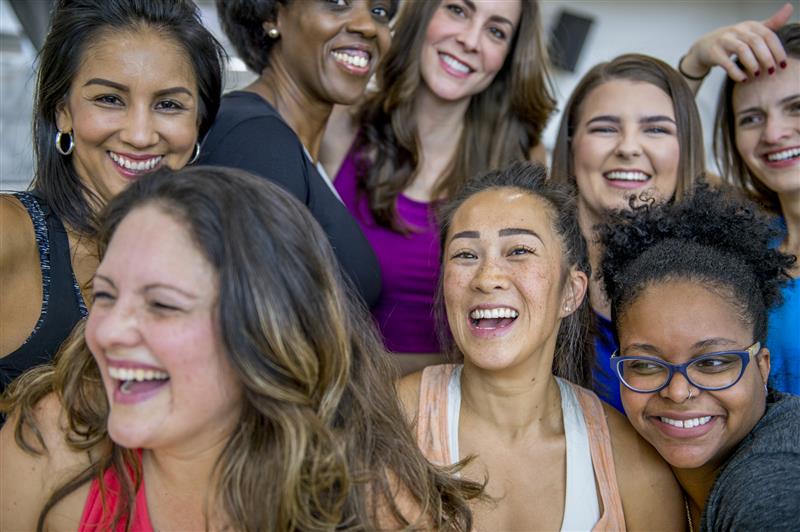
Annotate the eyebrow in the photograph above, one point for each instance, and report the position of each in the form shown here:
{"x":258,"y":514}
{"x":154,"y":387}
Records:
{"x":152,"y":286}
{"x":509,"y":231}
{"x":758,"y":109}
{"x":124,"y":88}
{"x":645,"y":120}
{"x":701,"y":345}
{"x":497,"y":18}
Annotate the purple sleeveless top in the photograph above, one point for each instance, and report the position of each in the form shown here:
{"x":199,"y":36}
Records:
{"x":409,"y":266}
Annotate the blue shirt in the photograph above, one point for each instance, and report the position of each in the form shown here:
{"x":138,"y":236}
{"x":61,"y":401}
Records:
{"x":606,"y":383}
{"x":783,"y":341}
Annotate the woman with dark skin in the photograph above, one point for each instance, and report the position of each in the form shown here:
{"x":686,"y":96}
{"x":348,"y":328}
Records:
{"x":691,"y":285}
{"x":137,"y":90}
{"x":308,"y":55}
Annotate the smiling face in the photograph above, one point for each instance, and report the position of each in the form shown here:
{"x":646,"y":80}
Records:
{"x":330,"y":49}
{"x":132,"y":107}
{"x":767,"y":126}
{"x":625,"y":141}
{"x":154,"y":333}
{"x":466,"y":45}
{"x":678,"y":321}
{"x":505,"y":288}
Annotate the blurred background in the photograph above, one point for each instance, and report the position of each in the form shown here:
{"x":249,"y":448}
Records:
{"x":582,"y":33}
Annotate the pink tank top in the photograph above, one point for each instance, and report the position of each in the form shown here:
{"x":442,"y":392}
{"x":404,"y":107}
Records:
{"x":433,"y":437}
{"x":97,"y":518}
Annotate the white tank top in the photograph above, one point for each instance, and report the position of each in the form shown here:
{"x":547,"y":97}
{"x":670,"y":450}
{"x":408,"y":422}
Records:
{"x":581,"y":506}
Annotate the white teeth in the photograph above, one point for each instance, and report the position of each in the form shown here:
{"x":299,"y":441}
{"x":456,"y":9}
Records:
{"x":136,"y":166}
{"x":494,"y":313}
{"x":686,"y":423}
{"x":455,"y":64}
{"x":355,"y":58}
{"x":627,"y":176}
{"x":136,"y":374}
{"x":783,"y":155}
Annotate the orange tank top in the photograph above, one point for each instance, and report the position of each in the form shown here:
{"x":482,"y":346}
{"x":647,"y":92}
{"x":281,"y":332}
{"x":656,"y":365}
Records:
{"x":433,"y":438}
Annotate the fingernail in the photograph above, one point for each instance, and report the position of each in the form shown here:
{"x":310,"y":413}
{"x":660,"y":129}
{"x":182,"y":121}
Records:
{"x":771,"y":70}
{"x":758,"y":73}
{"x":783,"y":64}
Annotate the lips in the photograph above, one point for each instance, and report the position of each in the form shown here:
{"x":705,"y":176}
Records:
{"x":353,"y":60}
{"x":454,"y":66}
{"x":134,"y":382}
{"x":685,"y":426}
{"x":489,"y":320}
{"x":626,"y":177}
{"x":782,"y":158}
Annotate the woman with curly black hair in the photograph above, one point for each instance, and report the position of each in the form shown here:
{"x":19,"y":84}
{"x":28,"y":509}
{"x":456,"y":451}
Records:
{"x":691,"y":285}
{"x":308,"y":56}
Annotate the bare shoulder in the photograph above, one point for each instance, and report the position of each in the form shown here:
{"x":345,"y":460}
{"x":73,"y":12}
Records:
{"x":17,"y":238}
{"x":27,"y":480}
{"x":408,"y":392}
{"x":651,"y":496}
{"x":340,"y":132}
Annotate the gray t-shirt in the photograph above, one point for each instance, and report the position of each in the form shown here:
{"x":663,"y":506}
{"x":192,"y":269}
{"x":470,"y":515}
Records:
{"x":758,"y":488}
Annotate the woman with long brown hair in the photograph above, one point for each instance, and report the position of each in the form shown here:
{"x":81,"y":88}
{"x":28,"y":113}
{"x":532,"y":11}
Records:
{"x":464,"y":88}
{"x":205,"y":392}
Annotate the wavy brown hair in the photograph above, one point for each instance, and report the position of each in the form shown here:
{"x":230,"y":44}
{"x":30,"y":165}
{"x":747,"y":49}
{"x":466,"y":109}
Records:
{"x":646,"y":69}
{"x":733,"y":167}
{"x":501,"y":125}
{"x":321,"y":442}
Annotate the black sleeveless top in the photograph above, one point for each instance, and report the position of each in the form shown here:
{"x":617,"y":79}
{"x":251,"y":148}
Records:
{"x":62,"y":303}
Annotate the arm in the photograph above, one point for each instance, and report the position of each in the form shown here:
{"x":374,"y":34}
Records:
{"x":28,"y":480}
{"x":340,"y":132}
{"x":754,"y":43}
{"x":651,"y":497}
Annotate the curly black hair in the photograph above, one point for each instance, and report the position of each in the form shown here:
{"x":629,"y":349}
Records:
{"x":711,"y":236}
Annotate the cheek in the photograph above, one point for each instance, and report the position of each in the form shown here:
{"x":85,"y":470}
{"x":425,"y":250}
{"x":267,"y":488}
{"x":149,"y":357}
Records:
{"x":495,"y":58}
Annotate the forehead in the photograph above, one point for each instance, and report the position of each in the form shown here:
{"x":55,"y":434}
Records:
{"x":141,"y":55}
{"x":495,"y":209}
{"x":150,"y":245}
{"x":626,"y":97}
{"x":768,"y":89}
{"x":508,"y":9}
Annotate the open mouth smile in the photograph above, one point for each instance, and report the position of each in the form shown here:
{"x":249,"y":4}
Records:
{"x":492,"y":319}
{"x":135,"y":167}
{"x":353,"y":60}
{"x":133,"y":384}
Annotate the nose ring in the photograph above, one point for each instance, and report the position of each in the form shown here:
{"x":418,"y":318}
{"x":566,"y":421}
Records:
{"x":691,"y":394}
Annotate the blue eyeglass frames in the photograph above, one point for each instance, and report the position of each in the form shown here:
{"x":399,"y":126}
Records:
{"x":711,"y":372}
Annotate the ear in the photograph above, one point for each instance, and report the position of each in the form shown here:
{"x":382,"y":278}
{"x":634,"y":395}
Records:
{"x":574,"y":291}
{"x":762,"y":359}
{"x":273,"y":19}
{"x":63,"y":116}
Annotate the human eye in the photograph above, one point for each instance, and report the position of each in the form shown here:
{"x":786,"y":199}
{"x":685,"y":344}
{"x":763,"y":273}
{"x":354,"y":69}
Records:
{"x":521,"y":250}
{"x":102,"y":295}
{"x":794,"y":107}
{"x":642,"y":366}
{"x":109,"y":100}
{"x":381,"y":12}
{"x":658,"y":130}
{"x":456,"y":9}
{"x":464,"y":255}
{"x":750,"y":119}
{"x":603,"y":129}
{"x":498,"y":33}
{"x":162,"y":307}
{"x":716,"y":363}
{"x":170,"y":105}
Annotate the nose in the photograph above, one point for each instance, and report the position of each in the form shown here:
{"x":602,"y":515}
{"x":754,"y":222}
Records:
{"x":470,"y":36}
{"x":490,"y":276}
{"x":362,"y":20}
{"x":139,"y":128}
{"x":678,"y":389}
{"x":777,"y":128}
{"x":628,"y":145}
{"x":113,"y":325}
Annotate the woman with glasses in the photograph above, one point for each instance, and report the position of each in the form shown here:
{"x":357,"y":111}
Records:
{"x":691,"y":285}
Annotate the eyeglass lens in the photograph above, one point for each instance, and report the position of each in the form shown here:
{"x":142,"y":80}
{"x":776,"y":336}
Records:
{"x":717,"y":371}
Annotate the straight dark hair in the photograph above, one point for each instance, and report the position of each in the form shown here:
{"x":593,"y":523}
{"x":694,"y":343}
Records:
{"x":74,"y":26}
{"x":502,"y":124}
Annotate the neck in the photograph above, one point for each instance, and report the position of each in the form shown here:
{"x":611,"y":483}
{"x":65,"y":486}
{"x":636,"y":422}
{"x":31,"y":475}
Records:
{"x":597,"y":295}
{"x":790,"y":208}
{"x":697,"y":484}
{"x":513,"y":402}
{"x":305,"y":113}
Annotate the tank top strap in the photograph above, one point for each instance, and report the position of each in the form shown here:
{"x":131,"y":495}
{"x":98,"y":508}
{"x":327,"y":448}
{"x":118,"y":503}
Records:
{"x":612,"y":517}
{"x":432,"y":430}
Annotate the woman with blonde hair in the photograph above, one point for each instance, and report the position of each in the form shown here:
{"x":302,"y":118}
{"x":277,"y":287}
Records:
{"x":205,"y":392}
{"x":464,"y":88}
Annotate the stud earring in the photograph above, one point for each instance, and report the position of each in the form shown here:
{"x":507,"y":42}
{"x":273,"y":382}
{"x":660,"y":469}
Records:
{"x":273,"y":33}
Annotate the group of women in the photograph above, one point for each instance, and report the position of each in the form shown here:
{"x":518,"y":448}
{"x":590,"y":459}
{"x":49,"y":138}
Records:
{"x":230,"y":373}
